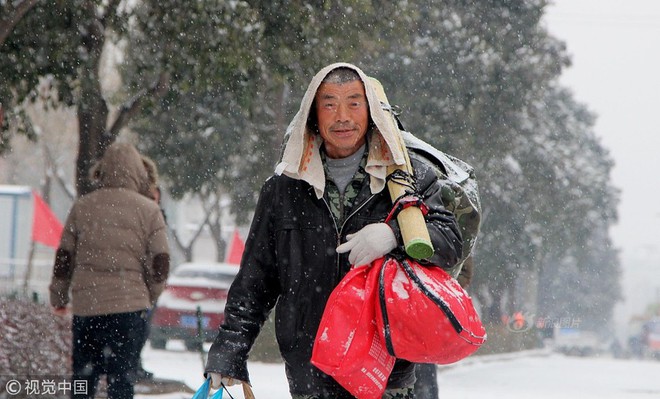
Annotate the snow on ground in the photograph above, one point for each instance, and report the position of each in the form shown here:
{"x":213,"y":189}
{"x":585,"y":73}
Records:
{"x":268,"y":380}
{"x":551,"y":376}
{"x":538,"y":375}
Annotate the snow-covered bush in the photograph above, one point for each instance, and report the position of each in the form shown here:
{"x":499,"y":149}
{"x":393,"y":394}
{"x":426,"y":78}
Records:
{"x":34,"y":341}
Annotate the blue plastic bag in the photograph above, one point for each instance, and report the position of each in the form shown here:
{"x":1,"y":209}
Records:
{"x":203,"y":391}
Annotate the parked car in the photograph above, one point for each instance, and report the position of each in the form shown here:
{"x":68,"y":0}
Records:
{"x":195,"y":296}
{"x":577,"y":342}
{"x":651,"y":338}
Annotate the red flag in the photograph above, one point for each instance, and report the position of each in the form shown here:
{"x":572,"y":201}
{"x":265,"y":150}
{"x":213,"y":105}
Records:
{"x":236,"y":248}
{"x":46,"y":229}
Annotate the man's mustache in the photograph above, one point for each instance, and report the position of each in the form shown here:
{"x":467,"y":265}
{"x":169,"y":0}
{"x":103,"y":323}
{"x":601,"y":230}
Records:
{"x":343,"y":126}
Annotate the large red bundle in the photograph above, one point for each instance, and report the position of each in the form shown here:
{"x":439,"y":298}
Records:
{"x":348,"y":346}
{"x":425,"y":316}
{"x":389,"y":309}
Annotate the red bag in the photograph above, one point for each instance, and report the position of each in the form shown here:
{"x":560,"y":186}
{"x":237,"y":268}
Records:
{"x":347,"y":345}
{"x":425,"y":316}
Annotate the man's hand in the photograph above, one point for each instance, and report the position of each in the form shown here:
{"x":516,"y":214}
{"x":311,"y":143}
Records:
{"x":60,"y":311}
{"x":370,"y":243}
{"x":217,"y":380}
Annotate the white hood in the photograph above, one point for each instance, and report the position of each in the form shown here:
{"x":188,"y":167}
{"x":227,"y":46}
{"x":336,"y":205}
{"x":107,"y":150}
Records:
{"x":301,"y":158}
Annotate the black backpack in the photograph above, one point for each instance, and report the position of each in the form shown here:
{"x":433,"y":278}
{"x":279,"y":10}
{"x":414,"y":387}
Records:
{"x":460,"y":191}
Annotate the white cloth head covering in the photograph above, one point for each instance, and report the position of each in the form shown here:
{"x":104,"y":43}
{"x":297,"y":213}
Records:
{"x":301,"y":158}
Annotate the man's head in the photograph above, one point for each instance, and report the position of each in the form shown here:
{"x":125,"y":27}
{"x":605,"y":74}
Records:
{"x":342,"y":112}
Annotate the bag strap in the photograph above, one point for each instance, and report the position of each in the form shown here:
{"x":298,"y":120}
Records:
{"x":407,"y":268}
{"x":383,"y":309}
{"x":404,"y":202}
{"x":247,"y":391}
{"x":203,"y":391}
{"x":437,"y":300}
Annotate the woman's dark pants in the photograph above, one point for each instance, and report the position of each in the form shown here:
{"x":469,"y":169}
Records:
{"x":107,"y":344}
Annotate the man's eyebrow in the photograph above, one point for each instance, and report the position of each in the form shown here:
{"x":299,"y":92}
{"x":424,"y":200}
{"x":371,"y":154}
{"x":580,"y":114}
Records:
{"x":324,"y":96}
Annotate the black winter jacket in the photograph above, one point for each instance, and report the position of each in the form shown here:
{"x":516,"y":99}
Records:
{"x":290,"y":263}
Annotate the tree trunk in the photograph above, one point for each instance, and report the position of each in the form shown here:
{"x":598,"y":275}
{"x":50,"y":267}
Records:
{"x":92,"y":115}
{"x":215,"y":226}
{"x":92,"y":109}
{"x":220,"y":244}
{"x":15,"y":11}
{"x":525,"y":291}
{"x":490,"y":298}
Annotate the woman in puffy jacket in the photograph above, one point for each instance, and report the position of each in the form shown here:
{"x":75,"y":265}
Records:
{"x":110,"y":267}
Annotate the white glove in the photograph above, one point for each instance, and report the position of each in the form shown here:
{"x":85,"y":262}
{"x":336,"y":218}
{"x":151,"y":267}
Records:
{"x":370,"y":243}
{"x":218,"y":379}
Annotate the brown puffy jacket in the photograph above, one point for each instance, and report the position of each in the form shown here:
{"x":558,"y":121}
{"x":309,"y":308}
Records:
{"x":113,"y":256}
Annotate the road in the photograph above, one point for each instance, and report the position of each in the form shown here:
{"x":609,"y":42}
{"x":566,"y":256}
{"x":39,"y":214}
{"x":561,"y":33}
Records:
{"x":538,"y":375}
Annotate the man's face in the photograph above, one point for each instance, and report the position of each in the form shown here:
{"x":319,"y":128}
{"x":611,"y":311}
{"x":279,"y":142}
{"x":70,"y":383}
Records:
{"x":343,"y":117}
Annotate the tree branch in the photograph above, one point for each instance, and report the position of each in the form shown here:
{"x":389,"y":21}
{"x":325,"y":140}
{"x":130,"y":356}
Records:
{"x":56,"y":172}
{"x":14,"y":16}
{"x":179,"y":243}
{"x":110,"y":11}
{"x":133,"y":105}
{"x":187,"y":249}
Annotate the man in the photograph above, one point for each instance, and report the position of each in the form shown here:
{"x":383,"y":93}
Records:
{"x":322,"y":212}
{"x":109,"y":235}
{"x":153,"y":192}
